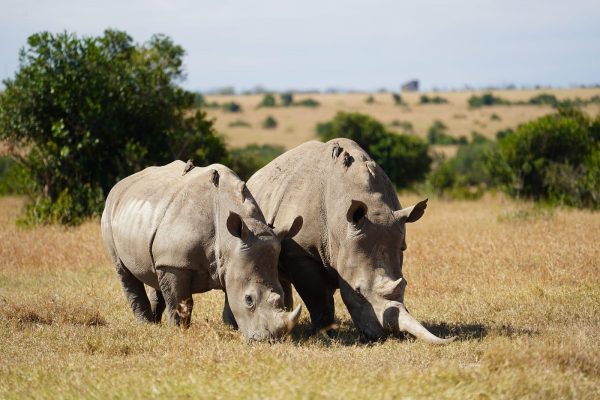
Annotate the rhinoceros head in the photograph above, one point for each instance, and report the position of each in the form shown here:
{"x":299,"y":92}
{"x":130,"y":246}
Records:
{"x":368,"y":241}
{"x":253,"y":290}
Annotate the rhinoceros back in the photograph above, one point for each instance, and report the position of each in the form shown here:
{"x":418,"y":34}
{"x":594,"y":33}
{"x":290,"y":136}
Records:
{"x":315,"y":179}
{"x":162,"y":217}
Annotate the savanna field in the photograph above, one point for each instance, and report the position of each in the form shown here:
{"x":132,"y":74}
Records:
{"x":518,"y":284}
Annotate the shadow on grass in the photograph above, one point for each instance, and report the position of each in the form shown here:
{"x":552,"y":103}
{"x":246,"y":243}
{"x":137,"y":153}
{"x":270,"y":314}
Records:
{"x":347,"y":335}
{"x":476,"y":331}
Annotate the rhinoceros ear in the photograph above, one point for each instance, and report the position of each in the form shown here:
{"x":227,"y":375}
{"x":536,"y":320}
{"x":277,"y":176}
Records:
{"x":413,"y":213}
{"x":236,"y":226}
{"x":357,"y":212}
{"x":290,"y":231}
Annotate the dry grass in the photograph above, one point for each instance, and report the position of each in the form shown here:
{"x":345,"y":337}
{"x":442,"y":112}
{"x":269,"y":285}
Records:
{"x":519,"y":286}
{"x":296,"y":125}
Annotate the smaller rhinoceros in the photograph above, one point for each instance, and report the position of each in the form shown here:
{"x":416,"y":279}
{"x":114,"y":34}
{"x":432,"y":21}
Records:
{"x":183,"y":230}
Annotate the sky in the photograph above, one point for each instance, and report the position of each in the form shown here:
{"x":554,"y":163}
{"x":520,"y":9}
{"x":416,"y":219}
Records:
{"x":321,"y":44}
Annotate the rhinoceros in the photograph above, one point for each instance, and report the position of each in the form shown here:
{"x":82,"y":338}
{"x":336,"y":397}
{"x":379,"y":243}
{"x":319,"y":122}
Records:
{"x":353,"y":236}
{"x":182,"y":230}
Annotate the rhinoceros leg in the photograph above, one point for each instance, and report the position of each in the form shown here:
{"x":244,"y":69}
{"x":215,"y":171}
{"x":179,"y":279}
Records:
{"x":176,"y":286}
{"x":157,"y":304}
{"x":288,"y":297}
{"x":312,"y":284}
{"x":228,"y":317}
{"x":135,"y":294}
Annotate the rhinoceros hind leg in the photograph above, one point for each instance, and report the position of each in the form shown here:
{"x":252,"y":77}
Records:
{"x":157,"y":304}
{"x":228,"y":317}
{"x":312,"y":284}
{"x":135,"y":294}
{"x":176,"y":286}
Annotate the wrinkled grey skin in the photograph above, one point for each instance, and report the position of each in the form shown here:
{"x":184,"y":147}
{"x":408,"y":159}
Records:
{"x":353,"y":236}
{"x":183,"y":233}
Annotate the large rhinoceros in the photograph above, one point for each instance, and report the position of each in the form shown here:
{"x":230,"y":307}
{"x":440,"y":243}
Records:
{"x":183,"y":231}
{"x":353,"y":236}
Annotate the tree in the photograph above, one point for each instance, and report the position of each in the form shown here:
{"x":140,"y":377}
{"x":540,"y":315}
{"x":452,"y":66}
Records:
{"x":404,"y":158}
{"x":555,"y":158}
{"x":82,"y":113}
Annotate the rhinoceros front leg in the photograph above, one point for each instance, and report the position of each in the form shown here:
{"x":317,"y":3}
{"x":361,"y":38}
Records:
{"x":288,"y":297}
{"x":157,"y":304}
{"x":135,"y":294}
{"x":314,"y":287}
{"x":176,"y":286}
{"x":228,"y":317}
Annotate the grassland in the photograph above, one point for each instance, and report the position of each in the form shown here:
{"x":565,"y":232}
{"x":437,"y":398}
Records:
{"x":520,"y":286}
{"x":297,"y":124}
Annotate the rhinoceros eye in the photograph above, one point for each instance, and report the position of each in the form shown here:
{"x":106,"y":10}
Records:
{"x":249,"y":301}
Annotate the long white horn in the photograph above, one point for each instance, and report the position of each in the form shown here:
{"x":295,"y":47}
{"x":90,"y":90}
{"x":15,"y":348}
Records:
{"x":407,"y":323}
{"x":293,"y":317}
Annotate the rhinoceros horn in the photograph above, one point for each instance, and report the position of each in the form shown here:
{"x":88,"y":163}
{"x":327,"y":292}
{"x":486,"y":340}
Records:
{"x":407,"y":323}
{"x":292,"y":317}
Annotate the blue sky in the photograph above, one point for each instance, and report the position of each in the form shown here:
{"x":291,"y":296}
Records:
{"x":363,"y":45}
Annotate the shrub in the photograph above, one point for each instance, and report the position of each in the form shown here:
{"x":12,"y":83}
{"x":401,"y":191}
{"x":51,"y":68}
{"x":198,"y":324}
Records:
{"x":487,"y":99}
{"x":308,"y":103}
{"x":406,"y":126}
{"x":269,"y":123}
{"x":437,"y":134}
{"x":397,"y":99}
{"x":247,"y":160}
{"x":287,"y":99}
{"x":89,"y":111}
{"x":555,"y":158}
{"x":466,"y":175}
{"x":232,"y":106}
{"x":14,"y":178}
{"x":198,"y":99}
{"x":544,"y":99}
{"x":239,"y":123}
{"x":268,"y":101}
{"x":495,"y":117}
{"x":404,"y":157}
{"x":432,"y":100}
{"x":370,"y":100}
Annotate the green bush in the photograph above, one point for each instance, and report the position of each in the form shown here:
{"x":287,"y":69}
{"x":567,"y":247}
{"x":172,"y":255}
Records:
{"x":486,"y":99}
{"x":199,"y":100}
{"x":269,"y":123}
{"x":397,"y":99}
{"x":238,"y":123}
{"x":544,"y":99}
{"x":555,"y":158}
{"x":310,"y":102}
{"x":14,"y":178}
{"x":404,"y":158}
{"x":406,"y":126}
{"x":370,"y":100}
{"x":432,"y":100}
{"x":232,"y":107}
{"x":247,"y":160}
{"x":466,"y":175}
{"x":268,"y":101}
{"x":438,"y":134}
{"x":287,"y":99}
{"x":89,"y":111}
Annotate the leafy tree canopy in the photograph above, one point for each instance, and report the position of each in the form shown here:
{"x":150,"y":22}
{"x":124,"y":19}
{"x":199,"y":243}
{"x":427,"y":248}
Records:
{"x":84,"y":112}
